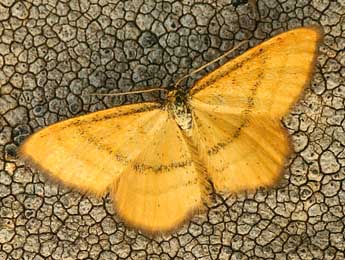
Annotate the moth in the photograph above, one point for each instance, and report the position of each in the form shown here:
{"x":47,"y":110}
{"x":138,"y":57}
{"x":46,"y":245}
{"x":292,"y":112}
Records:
{"x":158,"y":160}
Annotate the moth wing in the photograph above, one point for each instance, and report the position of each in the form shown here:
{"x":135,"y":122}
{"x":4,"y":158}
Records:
{"x":163,"y":186}
{"x":136,"y":151}
{"x":237,"y":109}
{"x":90,"y":151}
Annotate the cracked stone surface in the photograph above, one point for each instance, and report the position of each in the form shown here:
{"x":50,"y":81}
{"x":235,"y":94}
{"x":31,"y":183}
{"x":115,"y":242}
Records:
{"x":54,"y":53}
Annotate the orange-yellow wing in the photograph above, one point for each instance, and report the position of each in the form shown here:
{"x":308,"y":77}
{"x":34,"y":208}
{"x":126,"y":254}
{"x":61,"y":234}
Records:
{"x":237,"y":110}
{"x":164,"y":185}
{"x":127,"y":150}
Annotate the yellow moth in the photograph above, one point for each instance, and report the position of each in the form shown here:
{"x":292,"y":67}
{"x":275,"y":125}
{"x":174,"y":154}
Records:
{"x":158,"y":160}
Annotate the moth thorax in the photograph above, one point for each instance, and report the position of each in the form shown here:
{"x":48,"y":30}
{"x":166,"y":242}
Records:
{"x":182,"y":115}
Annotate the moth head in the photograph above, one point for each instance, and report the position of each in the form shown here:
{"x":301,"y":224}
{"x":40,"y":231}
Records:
{"x":176,"y":97}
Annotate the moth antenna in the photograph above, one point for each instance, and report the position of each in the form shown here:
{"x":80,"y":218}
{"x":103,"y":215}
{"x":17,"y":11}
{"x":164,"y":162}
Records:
{"x":209,"y":63}
{"x":127,"y":93}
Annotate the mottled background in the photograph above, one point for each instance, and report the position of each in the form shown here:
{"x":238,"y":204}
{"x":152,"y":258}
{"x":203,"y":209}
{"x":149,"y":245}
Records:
{"x":53,"y":53}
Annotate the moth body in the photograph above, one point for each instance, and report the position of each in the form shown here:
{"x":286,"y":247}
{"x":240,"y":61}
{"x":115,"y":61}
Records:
{"x":179,"y":110}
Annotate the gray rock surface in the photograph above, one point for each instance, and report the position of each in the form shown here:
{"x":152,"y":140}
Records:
{"x":54,"y":53}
